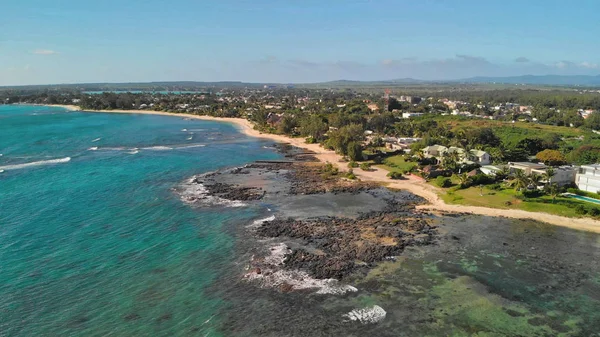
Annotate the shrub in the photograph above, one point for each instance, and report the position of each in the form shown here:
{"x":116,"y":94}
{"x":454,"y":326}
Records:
{"x":531,"y":193}
{"x":593,"y":211}
{"x":377,"y":160}
{"x":354,"y":150}
{"x":481,"y":179}
{"x":443,"y":182}
{"x":365,"y":166}
{"x":507,"y":203}
{"x":352,"y":164}
{"x":495,"y":187}
{"x":580,"y":209}
{"x":350,"y":174}
{"x":310,"y":140}
{"x":394,"y":175}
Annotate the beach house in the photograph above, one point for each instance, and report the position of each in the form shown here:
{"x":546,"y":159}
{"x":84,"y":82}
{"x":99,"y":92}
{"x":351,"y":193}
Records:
{"x":588,"y":178}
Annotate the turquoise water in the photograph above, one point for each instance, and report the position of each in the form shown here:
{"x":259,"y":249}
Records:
{"x":99,"y":244}
{"x":580,"y":197}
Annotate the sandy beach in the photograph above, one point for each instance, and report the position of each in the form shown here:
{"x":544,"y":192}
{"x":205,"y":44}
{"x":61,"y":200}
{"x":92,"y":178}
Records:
{"x":413,"y":184}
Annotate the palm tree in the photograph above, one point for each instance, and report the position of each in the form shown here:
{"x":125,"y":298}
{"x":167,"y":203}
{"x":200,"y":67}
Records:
{"x":534,"y":179}
{"x":553,"y":190}
{"x":547,"y":176}
{"x":519,"y":181}
{"x":503,"y":173}
{"x":464,"y":179}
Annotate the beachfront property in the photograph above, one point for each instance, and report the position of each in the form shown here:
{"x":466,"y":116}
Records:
{"x":563,"y":175}
{"x":588,"y":178}
{"x":490,"y":170}
{"x":472,"y":157}
{"x":526,"y":167}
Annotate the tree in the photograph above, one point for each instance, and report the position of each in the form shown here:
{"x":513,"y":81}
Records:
{"x":553,"y":190}
{"x":340,"y":138}
{"x":314,"y":127}
{"x":593,"y":121}
{"x":354,"y":151}
{"x":286,"y":125}
{"x":547,"y":176}
{"x":519,"y":181}
{"x":464,"y":180}
{"x":551,"y":157}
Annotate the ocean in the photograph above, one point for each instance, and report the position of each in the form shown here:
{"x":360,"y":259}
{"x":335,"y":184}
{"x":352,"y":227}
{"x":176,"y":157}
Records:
{"x":95,"y":240}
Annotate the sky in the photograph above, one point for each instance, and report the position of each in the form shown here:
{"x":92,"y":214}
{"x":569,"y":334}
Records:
{"x":293,"y":41}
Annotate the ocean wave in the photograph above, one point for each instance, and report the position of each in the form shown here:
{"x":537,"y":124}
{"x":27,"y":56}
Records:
{"x":158,"y":148}
{"x":270,"y":276}
{"x":95,"y":140}
{"x":189,"y":146}
{"x":373,"y":314}
{"x":192,"y":192}
{"x":259,"y":222}
{"x":36,"y":163}
{"x":94,"y":148}
{"x":134,"y":152}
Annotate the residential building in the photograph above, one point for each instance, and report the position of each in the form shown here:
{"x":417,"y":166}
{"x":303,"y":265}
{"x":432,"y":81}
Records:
{"x":411,"y":114}
{"x":472,"y":157}
{"x":525,"y":167}
{"x":480,"y":157}
{"x":588,"y":178}
{"x":563,"y":175}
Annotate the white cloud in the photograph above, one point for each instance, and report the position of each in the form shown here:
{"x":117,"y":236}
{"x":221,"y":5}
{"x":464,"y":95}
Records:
{"x":589,"y":65}
{"x":45,"y":52}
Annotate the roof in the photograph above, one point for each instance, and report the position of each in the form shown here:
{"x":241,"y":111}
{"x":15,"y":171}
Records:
{"x":527,"y":164}
{"x":592,"y":166}
{"x":436,"y":148}
{"x":478,"y":153}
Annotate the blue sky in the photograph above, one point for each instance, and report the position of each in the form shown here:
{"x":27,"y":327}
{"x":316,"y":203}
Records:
{"x":74,"y":41}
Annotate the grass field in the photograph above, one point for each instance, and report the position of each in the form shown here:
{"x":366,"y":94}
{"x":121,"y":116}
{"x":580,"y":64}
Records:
{"x":397,"y":164}
{"x":497,"y":199}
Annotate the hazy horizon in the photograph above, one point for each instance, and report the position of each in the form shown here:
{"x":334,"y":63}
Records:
{"x":293,"y":42}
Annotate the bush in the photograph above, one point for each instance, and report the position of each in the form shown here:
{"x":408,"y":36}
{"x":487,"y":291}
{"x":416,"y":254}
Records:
{"x":507,"y":203}
{"x":352,"y":164}
{"x":532,"y":193}
{"x":580,"y":209}
{"x":394,"y":175}
{"x":377,"y":160}
{"x":593,"y":211}
{"x":329,"y":170}
{"x":443,"y":182}
{"x":310,"y":140}
{"x":365,"y":167}
{"x":495,"y":187}
{"x":350,"y":174}
{"x":354,"y":150}
{"x":481,"y":179}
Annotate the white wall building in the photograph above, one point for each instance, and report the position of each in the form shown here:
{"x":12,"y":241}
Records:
{"x":588,"y":178}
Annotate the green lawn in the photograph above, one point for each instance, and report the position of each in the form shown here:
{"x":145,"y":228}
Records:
{"x":397,"y":164}
{"x":497,"y":199}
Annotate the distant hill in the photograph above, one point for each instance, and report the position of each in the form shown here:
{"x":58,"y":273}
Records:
{"x":544,"y":80}
{"x":570,"y":80}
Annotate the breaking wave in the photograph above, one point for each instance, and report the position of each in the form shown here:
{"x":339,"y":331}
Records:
{"x":270,"y":274}
{"x":192,"y":192}
{"x":35,"y":163}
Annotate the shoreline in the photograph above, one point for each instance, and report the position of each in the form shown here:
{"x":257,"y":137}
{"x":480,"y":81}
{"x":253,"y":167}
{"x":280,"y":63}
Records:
{"x":412,"y":184}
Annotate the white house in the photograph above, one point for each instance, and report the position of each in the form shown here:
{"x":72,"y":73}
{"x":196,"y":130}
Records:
{"x":563,"y":175}
{"x":588,"y":178}
{"x":473,"y":157}
{"x":480,"y":157}
{"x":411,"y":114}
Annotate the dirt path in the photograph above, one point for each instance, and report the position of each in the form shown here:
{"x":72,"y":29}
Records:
{"x":413,"y":184}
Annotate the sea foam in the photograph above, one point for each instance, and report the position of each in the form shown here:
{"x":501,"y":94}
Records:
{"x":192,"y":192}
{"x":271,"y":276}
{"x":36,"y":163}
{"x":373,"y":314}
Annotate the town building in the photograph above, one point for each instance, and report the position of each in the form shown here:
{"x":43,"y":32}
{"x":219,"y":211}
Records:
{"x":588,"y":178}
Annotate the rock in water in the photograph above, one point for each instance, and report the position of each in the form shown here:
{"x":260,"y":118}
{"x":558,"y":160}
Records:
{"x":373,"y":314}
